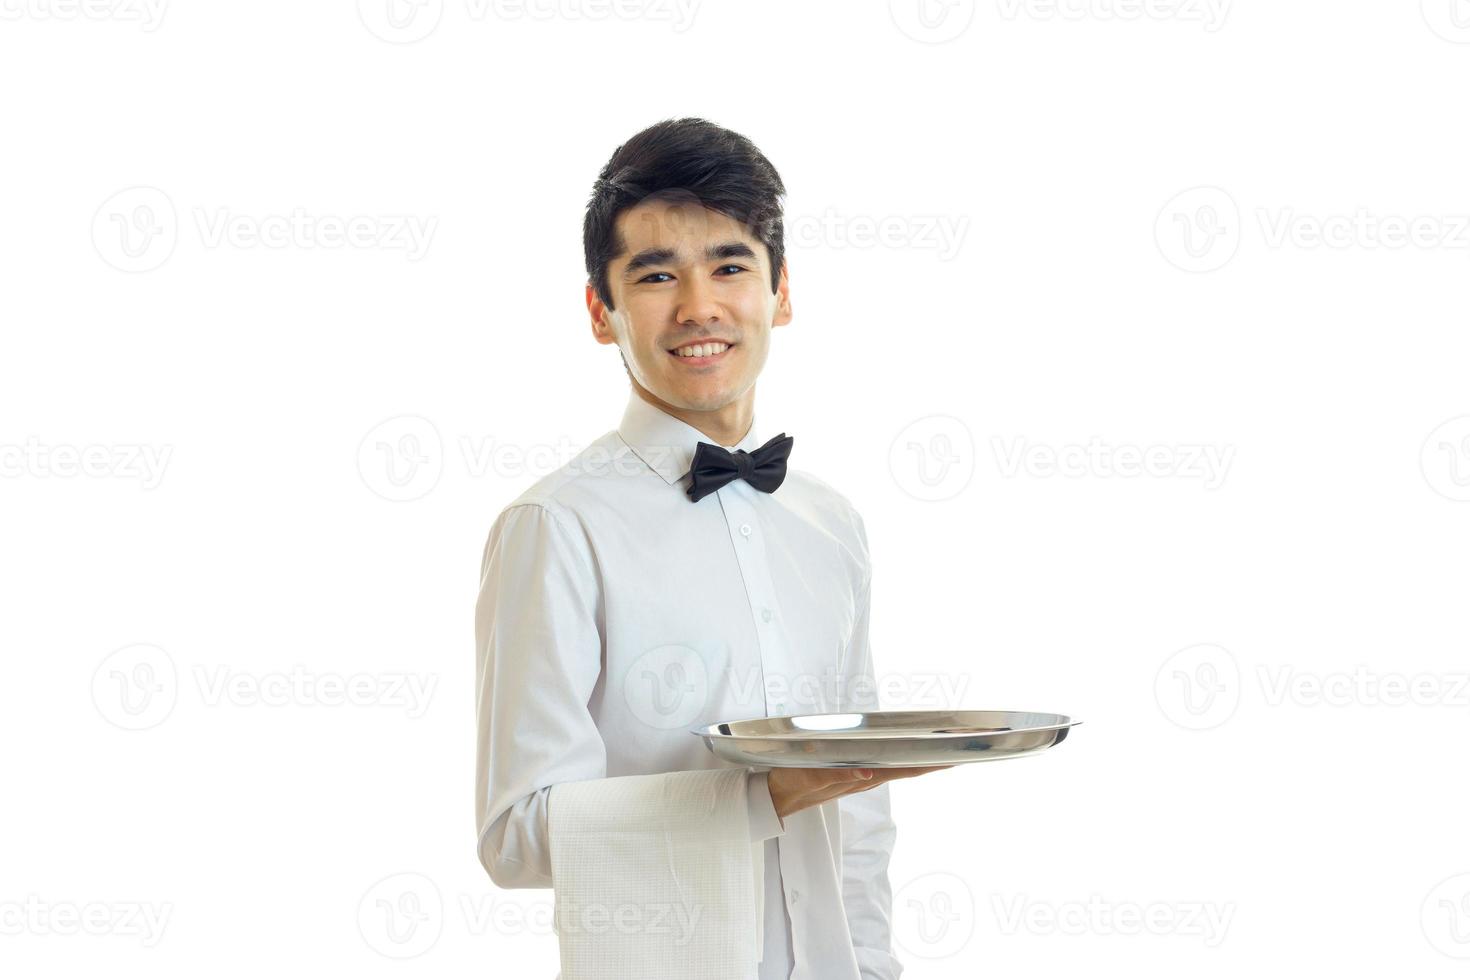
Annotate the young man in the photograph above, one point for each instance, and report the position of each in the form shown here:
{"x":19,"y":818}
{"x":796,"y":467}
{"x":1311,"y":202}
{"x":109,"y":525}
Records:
{"x":677,"y":573}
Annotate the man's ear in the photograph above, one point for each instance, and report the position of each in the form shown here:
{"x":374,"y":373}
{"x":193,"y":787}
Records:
{"x":783,"y":299}
{"x":602,"y":330}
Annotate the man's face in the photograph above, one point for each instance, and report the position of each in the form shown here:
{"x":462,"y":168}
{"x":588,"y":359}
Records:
{"x":688,"y":275}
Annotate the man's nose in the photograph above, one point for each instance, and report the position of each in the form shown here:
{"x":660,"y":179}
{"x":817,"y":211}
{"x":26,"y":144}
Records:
{"x":696,"y":301}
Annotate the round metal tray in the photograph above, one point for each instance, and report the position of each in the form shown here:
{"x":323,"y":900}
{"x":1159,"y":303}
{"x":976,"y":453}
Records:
{"x":885,"y":739}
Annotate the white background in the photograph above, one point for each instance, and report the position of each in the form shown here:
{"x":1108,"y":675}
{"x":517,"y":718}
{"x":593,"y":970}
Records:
{"x":1228,"y":231}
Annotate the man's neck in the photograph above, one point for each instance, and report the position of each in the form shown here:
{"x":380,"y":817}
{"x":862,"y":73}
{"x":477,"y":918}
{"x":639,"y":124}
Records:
{"x":725,"y":426}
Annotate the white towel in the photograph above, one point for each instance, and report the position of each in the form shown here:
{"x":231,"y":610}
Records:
{"x":655,"y":877}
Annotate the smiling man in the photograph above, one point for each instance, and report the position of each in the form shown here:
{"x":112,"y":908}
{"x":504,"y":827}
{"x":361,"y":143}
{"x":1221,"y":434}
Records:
{"x":678,"y":573}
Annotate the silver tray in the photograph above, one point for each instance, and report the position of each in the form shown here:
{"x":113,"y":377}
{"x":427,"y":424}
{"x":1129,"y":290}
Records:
{"x":885,"y":739}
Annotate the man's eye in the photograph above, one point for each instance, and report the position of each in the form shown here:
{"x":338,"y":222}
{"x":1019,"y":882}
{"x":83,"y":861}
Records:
{"x":737,"y":268}
{"x":649,"y":277}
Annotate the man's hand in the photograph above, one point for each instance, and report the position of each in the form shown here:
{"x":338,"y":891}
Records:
{"x":797,"y":789}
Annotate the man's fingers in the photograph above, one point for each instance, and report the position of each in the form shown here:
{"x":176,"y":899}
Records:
{"x":887,"y":775}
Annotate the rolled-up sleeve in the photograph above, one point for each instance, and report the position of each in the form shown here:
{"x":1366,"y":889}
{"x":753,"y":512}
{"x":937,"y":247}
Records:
{"x":868,"y":830}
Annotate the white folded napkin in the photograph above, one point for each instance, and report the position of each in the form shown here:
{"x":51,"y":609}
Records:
{"x":655,"y":877}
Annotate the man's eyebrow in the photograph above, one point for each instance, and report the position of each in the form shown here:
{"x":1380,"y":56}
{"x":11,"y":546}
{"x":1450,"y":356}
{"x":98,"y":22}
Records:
{"x":650,"y":257}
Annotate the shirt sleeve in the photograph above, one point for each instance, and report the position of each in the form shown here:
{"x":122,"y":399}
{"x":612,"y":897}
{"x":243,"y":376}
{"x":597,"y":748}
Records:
{"x":539,"y":652}
{"x":764,"y":821}
{"x":538,"y":655}
{"x":868,"y":830}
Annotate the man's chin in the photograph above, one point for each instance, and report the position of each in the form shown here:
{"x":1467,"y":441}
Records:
{"x":695,"y":398}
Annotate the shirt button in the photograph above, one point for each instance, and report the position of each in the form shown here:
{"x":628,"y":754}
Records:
{"x":745,"y":530}
{"x":765,"y":614}
{"x":795,"y":896}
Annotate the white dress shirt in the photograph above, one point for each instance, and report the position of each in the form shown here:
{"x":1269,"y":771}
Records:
{"x":615,"y":614}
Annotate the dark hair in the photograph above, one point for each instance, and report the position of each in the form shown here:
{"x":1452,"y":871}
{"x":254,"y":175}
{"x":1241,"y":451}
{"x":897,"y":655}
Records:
{"x":723,"y":170}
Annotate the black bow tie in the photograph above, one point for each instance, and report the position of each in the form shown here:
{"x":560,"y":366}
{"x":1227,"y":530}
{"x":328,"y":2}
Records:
{"x":714,"y":466}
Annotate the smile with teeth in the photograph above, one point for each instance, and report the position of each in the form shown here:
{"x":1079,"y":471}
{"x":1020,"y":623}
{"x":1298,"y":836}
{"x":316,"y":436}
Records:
{"x":701,"y":350}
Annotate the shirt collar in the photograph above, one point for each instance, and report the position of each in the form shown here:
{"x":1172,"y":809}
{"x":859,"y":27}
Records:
{"x":665,"y":443}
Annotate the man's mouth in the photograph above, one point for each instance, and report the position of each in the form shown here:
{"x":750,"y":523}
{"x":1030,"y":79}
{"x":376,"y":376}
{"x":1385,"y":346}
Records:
{"x":698,"y":355}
